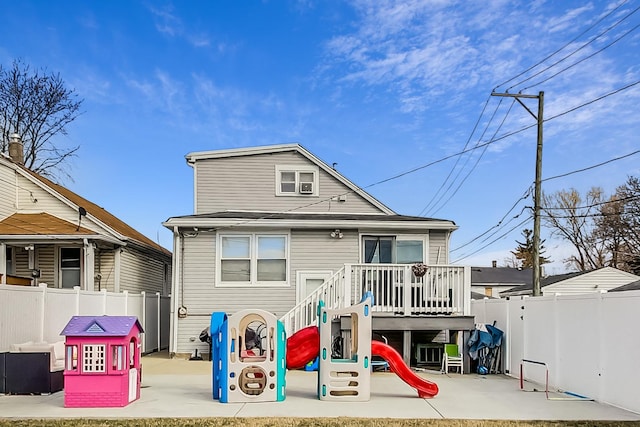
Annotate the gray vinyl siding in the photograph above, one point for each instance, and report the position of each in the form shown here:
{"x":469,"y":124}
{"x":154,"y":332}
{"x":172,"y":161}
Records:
{"x":21,"y":257}
{"x":33,"y":199}
{"x":438,"y":247}
{"x":7,"y":192}
{"x":46,"y":263}
{"x":140,"y":272}
{"x":105,"y":265}
{"x":249,"y":183}
{"x":201,"y":297}
{"x":315,"y":250}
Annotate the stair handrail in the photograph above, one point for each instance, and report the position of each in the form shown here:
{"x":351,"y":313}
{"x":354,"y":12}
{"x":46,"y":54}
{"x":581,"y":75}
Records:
{"x":331,"y":291}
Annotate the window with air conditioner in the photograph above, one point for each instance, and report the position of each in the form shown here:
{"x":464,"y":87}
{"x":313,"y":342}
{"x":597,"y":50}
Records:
{"x":296,"y":180}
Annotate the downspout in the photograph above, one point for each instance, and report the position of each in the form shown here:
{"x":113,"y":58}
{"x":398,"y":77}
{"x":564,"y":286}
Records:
{"x":176,"y":279}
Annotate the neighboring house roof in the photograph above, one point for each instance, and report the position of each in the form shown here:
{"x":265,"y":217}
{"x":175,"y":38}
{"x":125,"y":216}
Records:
{"x":40,"y":224}
{"x":557,"y":280}
{"x":267,"y":149}
{"x":61,"y":227}
{"x":101,"y":326}
{"x":633,"y":286}
{"x":501,"y":276}
{"x":331,"y":220}
{"x":479,"y":296}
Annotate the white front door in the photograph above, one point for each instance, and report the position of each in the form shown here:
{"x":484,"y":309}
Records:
{"x":309,"y":280}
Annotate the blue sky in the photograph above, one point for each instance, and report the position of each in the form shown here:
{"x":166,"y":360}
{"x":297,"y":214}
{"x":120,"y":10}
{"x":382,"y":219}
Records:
{"x":378,"y":87}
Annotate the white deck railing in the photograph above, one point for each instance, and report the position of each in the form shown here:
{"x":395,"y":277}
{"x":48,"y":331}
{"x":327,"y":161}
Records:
{"x":444,"y":290}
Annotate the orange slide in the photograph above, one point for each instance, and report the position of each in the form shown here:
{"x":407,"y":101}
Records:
{"x":304,"y":346}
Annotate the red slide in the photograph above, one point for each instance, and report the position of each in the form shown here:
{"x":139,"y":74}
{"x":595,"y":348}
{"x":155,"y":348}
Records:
{"x":303,"y":347}
{"x":425,"y":388}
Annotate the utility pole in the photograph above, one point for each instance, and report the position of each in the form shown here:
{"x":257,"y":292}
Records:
{"x":537,"y":183}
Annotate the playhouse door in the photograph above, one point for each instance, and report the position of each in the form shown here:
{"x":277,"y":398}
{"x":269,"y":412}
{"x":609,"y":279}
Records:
{"x":133,"y":384}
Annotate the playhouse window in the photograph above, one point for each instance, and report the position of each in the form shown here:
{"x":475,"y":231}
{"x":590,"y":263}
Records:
{"x":117,"y":357}
{"x":71,"y":358}
{"x":93,"y":358}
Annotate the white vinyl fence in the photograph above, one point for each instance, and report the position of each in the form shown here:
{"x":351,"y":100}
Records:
{"x":41,"y":313}
{"x":589,"y":342}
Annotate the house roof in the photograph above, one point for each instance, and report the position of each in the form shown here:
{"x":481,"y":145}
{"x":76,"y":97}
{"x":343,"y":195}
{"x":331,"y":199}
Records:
{"x":302,"y":220}
{"x":501,"y":276}
{"x":526,"y":289}
{"x":101,"y":326}
{"x":61,"y":227}
{"x":40,"y":224}
{"x":633,"y":286}
{"x":268,"y":149}
{"x":479,"y":296}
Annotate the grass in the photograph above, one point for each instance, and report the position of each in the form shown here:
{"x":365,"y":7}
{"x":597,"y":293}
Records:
{"x":300,"y":422}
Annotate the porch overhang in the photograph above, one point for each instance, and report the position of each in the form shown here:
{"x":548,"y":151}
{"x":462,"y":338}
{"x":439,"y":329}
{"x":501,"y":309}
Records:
{"x":212,"y":222}
{"x":58,"y":238}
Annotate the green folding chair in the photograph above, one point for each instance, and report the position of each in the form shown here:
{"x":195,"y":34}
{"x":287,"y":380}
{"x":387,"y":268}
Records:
{"x":451,"y":358}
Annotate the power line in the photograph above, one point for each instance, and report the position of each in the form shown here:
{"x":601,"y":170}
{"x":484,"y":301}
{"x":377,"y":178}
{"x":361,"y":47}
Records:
{"x":493,"y":241}
{"x":473,"y":131}
{"x":585,"y":45}
{"x":563,"y":47}
{"x":583,"y":59}
{"x":591,"y":167}
{"x":484,"y":150}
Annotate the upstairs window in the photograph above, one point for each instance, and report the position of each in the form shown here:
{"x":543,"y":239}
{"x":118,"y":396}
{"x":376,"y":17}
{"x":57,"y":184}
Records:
{"x":296,"y":181}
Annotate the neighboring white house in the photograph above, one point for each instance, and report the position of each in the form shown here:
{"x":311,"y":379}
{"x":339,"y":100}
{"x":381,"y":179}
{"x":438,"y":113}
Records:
{"x":582,"y":282}
{"x":49,"y":234}
{"x":275,"y":227}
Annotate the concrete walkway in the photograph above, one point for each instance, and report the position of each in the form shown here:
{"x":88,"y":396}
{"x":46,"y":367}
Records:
{"x":181,"y":388}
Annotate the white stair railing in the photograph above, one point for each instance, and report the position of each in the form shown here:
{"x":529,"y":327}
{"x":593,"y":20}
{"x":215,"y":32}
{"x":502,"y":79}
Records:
{"x":333,"y":292}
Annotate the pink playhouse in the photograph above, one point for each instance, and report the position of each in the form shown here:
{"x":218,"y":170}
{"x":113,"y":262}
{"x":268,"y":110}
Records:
{"x":102,"y":361}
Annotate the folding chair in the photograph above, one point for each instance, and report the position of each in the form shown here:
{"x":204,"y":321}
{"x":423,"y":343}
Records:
{"x":451,"y":358}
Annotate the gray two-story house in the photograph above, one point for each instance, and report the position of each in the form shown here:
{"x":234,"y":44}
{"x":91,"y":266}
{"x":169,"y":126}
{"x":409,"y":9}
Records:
{"x":276,"y":228}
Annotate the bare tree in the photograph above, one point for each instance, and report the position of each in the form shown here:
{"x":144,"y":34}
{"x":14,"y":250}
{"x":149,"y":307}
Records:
{"x":572,"y":218}
{"x":621,"y":221}
{"x":38,"y":106}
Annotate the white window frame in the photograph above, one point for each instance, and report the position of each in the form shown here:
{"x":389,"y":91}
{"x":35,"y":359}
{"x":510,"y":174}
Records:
{"x":60,"y":268}
{"x":297,"y":169}
{"x":91,"y":362}
{"x":303,"y":275}
{"x":253,"y":257}
{"x":397,"y":237}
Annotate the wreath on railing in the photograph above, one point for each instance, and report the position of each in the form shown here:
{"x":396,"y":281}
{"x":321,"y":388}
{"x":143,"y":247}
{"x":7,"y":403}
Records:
{"x":419,"y":269}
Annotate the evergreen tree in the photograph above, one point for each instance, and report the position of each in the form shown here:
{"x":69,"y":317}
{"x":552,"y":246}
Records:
{"x":524,"y":251}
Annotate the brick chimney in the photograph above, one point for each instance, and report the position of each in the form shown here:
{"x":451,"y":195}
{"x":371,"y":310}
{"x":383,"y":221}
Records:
{"x":16,"y":149}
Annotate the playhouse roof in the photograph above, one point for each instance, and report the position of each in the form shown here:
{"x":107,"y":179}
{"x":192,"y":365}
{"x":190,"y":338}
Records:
{"x":101,"y":326}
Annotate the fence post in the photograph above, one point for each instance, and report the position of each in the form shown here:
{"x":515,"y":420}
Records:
{"x":104,"y":301}
{"x":126,"y":302}
{"x":158,"y":319}
{"x":144,"y":321}
{"x":43,"y":287}
{"x":77,"y":293}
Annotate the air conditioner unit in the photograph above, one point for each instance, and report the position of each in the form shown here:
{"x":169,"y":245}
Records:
{"x":306,"y":188}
